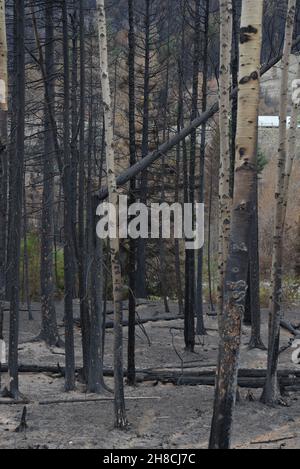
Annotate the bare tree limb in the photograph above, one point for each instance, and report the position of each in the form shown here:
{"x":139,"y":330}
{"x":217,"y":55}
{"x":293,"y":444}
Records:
{"x":143,"y":164}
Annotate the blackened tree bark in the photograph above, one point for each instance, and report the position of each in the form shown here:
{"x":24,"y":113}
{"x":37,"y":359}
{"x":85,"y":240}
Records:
{"x":254,"y":277}
{"x":49,"y":330}
{"x":68,"y":228}
{"x":96,"y":352}
{"x":237,"y":266}
{"x":200,"y":328}
{"x":181,"y":153}
{"x":132,"y":148}
{"x":26,"y":286}
{"x":74,"y":106}
{"x":141,"y":289}
{"x":189,"y":323}
{"x":16,"y":202}
{"x":3,"y":151}
{"x":82,"y":270}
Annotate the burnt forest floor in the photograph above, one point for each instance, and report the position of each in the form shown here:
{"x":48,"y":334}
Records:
{"x":167,"y":416}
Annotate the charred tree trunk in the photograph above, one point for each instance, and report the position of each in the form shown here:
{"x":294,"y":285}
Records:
{"x":49,"y":331}
{"x":254,"y":284}
{"x":68,"y":228}
{"x":132,"y":243}
{"x":189,"y":325}
{"x":82,"y":270}
{"x":16,"y":203}
{"x":3,"y":150}
{"x":237,"y":266}
{"x":200,"y":328}
{"x":141,"y":288}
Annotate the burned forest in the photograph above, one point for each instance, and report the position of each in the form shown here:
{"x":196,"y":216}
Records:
{"x":149,"y":227}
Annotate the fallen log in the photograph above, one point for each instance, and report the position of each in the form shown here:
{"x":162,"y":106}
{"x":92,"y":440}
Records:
{"x":290,"y":328}
{"x":277,"y":440}
{"x":138,"y":322}
{"x":170,"y":371}
{"x":249,"y":383}
{"x":97,"y":399}
{"x":13,"y":402}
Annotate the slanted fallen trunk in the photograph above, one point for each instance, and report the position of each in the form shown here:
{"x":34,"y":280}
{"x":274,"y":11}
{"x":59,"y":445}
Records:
{"x":162,"y":150}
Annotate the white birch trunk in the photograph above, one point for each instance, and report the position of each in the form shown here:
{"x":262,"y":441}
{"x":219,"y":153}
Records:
{"x":120,"y":413}
{"x":238,"y":260}
{"x":224,"y":124}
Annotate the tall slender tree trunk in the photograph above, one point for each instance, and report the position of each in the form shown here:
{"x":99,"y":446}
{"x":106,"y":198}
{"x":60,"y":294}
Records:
{"x":237,"y":266}
{"x":68,"y":228}
{"x":3,"y":149}
{"x":132,"y":242}
{"x":141,"y":289}
{"x":49,"y":330}
{"x":16,"y":204}
{"x":74,"y":108}
{"x":120,"y":412}
{"x":200,"y":328}
{"x":3,"y":152}
{"x":26,"y":280}
{"x":189,"y":323}
{"x":271,"y":393}
{"x":225,"y":160}
{"x":82,"y":271}
{"x":96,"y":352}
{"x":180,"y":153}
{"x":254,"y":277}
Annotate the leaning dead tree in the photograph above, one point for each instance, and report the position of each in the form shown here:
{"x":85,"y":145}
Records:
{"x":120,"y":412}
{"x":271,"y":390}
{"x":237,"y":266}
{"x":165,"y":147}
{"x":225,"y":163}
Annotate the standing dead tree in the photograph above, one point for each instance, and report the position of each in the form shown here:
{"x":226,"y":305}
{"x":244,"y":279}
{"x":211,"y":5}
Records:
{"x":225,"y":161}
{"x":271,"y":390}
{"x":3,"y":153}
{"x":49,"y":330}
{"x":120,"y":412}
{"x":132,"y":148}
{"x":16,"y":200}
{"x":237,"y":266}
{"x":68,"y":226}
